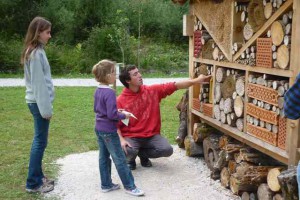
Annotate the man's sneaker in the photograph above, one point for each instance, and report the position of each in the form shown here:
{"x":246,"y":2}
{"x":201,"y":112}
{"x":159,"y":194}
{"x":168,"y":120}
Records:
{"x":135,"y":192}
{"x":145,"y":162}
{"x":114,"y":187}
{"x":44,"y":188}
{"x":48,"y":181}
{"x":131,"y":165}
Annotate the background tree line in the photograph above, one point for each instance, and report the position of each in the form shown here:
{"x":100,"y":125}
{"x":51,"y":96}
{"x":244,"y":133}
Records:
{"x":144,"y":32}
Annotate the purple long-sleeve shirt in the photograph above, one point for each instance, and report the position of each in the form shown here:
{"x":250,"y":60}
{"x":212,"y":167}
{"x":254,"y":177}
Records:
{"x":105,"y":107}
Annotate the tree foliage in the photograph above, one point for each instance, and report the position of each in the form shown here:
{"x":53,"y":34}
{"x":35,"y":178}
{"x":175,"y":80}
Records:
{"x":116,"y":29}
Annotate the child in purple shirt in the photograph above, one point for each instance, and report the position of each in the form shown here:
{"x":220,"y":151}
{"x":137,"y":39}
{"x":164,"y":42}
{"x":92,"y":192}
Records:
{"x":107,"y":117}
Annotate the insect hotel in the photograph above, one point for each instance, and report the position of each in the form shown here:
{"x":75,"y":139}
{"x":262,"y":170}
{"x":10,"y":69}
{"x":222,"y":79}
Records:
{"x":252,"y":50}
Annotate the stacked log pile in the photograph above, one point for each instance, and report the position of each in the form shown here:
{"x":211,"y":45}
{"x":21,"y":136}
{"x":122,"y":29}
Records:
{"x":247,"y":172}
{"x":194,"y":143}
{"x":229,"y":97}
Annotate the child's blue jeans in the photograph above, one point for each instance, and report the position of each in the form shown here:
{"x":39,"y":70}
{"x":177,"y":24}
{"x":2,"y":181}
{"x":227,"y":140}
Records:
{"x":109,"y":145}
{"x":39,"y":144}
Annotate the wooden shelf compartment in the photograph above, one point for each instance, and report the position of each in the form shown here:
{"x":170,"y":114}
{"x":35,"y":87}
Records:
{"x":287,"y":5}
{"x":264,"y":147}
{"x":257,"y":69}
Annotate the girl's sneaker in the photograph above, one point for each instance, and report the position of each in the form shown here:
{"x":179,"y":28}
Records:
{"x":114,"y":187}
{"x":135,"y":192}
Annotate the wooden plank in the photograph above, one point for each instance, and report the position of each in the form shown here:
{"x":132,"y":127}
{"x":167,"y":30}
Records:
{"x":265,"y":27}
{"x":191,"y":89}
{"x":258,"y":144}
{"x":263,"y":70}
{"x":188,"y":25}
{"x":293,"y":129}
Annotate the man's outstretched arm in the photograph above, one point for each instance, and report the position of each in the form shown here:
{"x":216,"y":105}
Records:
{"x":202,"y":79}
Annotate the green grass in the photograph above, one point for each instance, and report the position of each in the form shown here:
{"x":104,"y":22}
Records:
{"x":71,"y":131}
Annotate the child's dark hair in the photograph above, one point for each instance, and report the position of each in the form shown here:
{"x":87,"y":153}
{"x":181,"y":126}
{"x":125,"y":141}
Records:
{"x":125,"y":76}
{"x":36,"y":26}
{"x":102,"y":70}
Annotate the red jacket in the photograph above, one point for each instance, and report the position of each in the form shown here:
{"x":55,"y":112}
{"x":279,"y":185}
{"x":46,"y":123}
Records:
{"x":145,"y":106}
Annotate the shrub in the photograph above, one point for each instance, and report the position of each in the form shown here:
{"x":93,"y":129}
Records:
{"x":10,"y":53}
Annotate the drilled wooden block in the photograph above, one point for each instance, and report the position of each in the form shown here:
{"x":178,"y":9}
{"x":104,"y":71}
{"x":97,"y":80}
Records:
{"x":282,"y":133}
{"x":262,"y":134}
{"x":208,"y":109}
{"x":196,"y":104}
{"x":263,"y":93}
{"x":197,"y":43}
{"x":264,"y":52}
{"x":262,"y":114}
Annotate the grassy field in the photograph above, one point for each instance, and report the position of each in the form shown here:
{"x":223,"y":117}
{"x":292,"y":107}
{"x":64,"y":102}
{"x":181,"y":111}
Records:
{"x":71,"y":131}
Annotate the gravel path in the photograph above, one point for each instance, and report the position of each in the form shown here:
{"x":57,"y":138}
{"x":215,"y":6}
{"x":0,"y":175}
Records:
{"x":15,"y":82}
{"x":174,"y":178}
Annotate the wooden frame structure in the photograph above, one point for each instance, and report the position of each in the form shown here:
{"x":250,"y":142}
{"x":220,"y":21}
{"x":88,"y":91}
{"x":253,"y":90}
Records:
{"x":291,"y":154}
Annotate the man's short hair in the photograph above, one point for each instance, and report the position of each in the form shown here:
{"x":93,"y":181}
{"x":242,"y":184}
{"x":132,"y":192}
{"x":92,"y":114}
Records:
{"x":125,"y":75}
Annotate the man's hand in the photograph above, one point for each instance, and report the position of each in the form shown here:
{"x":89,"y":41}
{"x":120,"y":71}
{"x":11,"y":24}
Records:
{"x":202,"y":79}
{"x":124,"y":144}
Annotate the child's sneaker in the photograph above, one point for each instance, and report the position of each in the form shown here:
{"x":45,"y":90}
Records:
{"x":114,"y":187}
{"x":44,"y":188}
{"x":135,"y":192}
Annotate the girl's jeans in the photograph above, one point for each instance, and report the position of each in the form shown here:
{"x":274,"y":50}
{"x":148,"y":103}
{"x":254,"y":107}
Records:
{"x":41,"y":127}
{"x":109,"y":145}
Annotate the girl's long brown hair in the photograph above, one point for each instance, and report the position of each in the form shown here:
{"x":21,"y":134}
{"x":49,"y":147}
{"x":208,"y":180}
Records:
{"x":36,"y":26}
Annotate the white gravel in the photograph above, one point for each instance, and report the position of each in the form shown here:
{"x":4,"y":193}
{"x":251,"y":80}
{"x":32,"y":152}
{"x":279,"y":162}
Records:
{"x":174,"y":178}
{"x":16,"y":82}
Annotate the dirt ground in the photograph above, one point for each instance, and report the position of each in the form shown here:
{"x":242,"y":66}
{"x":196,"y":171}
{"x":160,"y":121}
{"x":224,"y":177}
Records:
{"x":174,"y":178}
